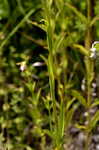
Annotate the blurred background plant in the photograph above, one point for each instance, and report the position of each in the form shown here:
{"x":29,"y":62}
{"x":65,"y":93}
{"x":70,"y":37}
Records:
{"x":44,"y":57}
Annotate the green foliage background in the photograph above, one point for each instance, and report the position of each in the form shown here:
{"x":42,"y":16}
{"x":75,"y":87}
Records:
{"x":25,"y":95}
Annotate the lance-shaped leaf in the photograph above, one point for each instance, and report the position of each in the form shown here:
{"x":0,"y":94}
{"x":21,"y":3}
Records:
{"x":61,"y":121}
{"x":17,"y":27}
{"x":78,"y":96}
{"x":58,"y":43}
{"x":94,"y":20}
{"x":42,"y":25}
{"x":95,"y":103}
{"x":93,"y":121}
{"x":69,"y":115}
{"x":81,"y":49}
{"x":81,"y":127}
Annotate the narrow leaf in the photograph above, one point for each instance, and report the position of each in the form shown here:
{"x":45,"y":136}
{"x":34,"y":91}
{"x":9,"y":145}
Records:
{"x":94,"y":120}
{"x":95,"y":103}
{"x":58,"y":43}
{"x":81,"y":127}
{"x":69,"y":103}
{"x":96,"y":18}
{"x":41,"y":25}
{"x":61,"y":122}
{"x":69,"y":116}
{"x":82,"y":49}
{"x":77,"y":95}
{"x":78,"y":13}
{"x":16,"y":28}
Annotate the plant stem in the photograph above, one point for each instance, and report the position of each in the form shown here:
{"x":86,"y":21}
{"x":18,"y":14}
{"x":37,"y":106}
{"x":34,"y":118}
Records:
{"x":88,"y":41}
{"x":89,"y":30}
{"x":51,"y":61}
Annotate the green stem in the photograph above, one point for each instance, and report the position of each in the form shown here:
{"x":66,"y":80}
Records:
{"x":90,"y":15}
{"x":52,"y":84}
{"x":50,"y":60}
{"x":88,"y":41}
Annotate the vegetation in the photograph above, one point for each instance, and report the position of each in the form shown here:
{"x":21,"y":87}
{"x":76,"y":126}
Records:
{"x":48,"y":73}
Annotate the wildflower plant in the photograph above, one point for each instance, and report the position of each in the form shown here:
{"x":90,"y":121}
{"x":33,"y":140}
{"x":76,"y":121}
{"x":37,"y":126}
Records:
{"x":89,"y":86}
{"x":48,"y":73}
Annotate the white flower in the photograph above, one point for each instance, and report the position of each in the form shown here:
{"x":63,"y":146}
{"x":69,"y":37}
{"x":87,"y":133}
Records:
{"x":93,"y":55}
{"x":22,"y":67}
{"x":83,"y":86}
{"x":96,"y":42}
{"x":94,"y":85}
{"x":93,"y":49}
{"x":37,"y":64}
{"x":83,"y":81}
{"x":94,"y":94}
{"x":86,"y":114}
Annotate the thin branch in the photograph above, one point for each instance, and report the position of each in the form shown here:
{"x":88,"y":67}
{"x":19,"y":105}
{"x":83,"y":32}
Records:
{"x":94,"y":20}
{"x":77,"y":12}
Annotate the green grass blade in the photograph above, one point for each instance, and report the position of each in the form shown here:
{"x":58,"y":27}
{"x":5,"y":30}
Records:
{"x":16,"y":28}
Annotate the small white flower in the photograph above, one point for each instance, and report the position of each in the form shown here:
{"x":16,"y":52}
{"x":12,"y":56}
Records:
{"x":96,"y":42}
{"x":93,"y":49}
{"x":93,"y":55}
{"x":97,"y":146}
{"x":94,"y":94}
{"x":83,"y":87}
{"x":83,"y":81}
{"x":86,"y":114}
{"x":37,"y":64}
{"x":94,"y":85}
{"x":22,"y":67}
